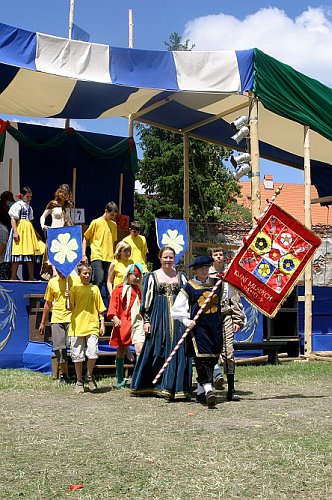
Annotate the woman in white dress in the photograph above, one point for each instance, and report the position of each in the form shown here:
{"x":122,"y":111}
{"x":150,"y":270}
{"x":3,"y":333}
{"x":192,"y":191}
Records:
{"x":59,"y":211}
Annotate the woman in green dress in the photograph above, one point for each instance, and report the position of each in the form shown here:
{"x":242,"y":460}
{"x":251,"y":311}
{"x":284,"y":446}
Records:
{"x":162,"y":334}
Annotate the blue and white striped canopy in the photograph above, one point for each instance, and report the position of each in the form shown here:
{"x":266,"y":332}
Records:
{"x":43,"y":75}
{"x":196,"y":92}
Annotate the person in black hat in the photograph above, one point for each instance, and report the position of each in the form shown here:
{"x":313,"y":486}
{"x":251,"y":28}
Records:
{"x":204,"y":342}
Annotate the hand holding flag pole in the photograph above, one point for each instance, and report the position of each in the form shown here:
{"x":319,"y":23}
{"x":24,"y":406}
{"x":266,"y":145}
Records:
{"x":67,"y":295}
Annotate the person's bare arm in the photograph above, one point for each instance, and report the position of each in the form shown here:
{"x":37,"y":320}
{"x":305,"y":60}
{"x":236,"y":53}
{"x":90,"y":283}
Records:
{"x":84,"y":245}
{"x":46,"y":311}
{"x":14,"y":227}
{"x":110,"y":278}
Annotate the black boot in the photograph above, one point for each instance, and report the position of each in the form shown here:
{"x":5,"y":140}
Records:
{"x":231,"y":396}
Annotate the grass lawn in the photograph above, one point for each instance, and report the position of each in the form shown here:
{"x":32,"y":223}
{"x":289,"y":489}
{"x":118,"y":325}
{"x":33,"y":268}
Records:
{"x":274,"y":444}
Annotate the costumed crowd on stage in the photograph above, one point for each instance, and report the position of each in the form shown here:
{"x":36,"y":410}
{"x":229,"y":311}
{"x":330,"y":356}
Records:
{"x":149,"y":310}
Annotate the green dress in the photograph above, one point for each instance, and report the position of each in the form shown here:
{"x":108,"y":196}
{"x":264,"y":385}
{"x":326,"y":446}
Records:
{"x":175,"y":382}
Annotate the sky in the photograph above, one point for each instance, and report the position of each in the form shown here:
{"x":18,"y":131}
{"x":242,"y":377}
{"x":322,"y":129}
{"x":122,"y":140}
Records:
{"x":297,"y":32}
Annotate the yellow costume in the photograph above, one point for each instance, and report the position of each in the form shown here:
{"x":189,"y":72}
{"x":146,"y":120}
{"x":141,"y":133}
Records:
{"x":139,"y":249}
{"x":120,"y":269}
{"x":55,"y":293}
{"x":102,"y":234}
{"x":87,"y":305}
{"x":28,"y":243}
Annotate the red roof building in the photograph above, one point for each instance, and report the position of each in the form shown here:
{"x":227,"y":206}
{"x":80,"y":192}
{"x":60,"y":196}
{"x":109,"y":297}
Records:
{"x":290,"y":199}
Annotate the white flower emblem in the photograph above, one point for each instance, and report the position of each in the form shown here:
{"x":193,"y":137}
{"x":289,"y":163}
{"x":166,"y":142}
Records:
{"x":173,"y":239}
{"x":286,"y":239}
{"x":64,"y":248}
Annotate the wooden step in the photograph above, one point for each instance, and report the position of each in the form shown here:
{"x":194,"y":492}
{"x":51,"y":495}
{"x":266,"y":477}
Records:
{"x":112,"y":366}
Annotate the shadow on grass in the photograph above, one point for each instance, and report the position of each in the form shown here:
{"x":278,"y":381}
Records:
{"x":293,"y":396}
{"x":102,"y":390}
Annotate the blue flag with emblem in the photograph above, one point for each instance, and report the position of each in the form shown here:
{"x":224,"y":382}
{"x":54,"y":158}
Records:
{"x":64,"y":246}
{"x":173,"y":233}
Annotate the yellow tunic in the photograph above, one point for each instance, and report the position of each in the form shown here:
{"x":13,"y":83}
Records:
{"x":119,"y":270}
{"x":87,"y":305}
{"x":28,"y":243}
{"x":55,"y":293}
{"x":102,"y":234}
{"x":139,"y":249}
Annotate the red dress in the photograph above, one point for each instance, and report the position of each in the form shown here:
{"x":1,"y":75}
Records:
{"x":125,"y":304}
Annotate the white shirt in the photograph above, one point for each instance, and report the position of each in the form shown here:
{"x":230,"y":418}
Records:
{"x":15,"y":209}
{"x":181,"y":309}
{"x":59,"y":217}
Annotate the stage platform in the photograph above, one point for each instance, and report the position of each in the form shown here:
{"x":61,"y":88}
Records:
{"x":21,"y":347}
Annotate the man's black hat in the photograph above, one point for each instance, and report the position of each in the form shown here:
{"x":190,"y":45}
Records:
{"x":201,"y":261}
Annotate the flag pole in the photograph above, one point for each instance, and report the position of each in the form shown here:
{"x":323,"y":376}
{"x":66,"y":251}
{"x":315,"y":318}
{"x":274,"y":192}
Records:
{"x":131,"y":29}
{"x":71,"y":19}
{"x":130,"y":119}
{"x":185,"y":333}
{"x":70,"y":33}
{"x":67,"y":290}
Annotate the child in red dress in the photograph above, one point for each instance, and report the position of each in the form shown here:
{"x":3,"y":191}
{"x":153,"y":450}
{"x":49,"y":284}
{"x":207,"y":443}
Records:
{"x":124,"y":310}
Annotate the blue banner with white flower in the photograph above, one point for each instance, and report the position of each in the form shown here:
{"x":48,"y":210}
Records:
{"x":64,"y":246}
{"x":173,"y":233}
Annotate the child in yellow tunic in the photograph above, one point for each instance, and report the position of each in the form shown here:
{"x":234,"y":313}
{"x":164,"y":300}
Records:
{"x":87,"y":309}
{"x":55,"y":299}
{"x":137,"y":244}
{"x":102,"y":236}
{"x":118,"y":267}
{"x":24,"y":244}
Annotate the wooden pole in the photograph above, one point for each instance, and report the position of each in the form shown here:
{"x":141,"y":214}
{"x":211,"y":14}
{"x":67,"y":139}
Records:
{"x":130,"y":119}
{"x":10,"y":175}
{"x":308,"y":269}
{"x":131,"y":29}
{"x":130,"y":134}
{"x":71,"y":18}
{"x":120,"y":193}
{"x":254,"y":153}
{"x":74,"y":185}
{"x":70,"y":33}
{"x":186,"y":189}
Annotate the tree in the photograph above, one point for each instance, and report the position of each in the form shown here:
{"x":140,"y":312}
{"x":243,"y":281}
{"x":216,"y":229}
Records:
{"x":174,"y":43}
{"x":212,"y":188}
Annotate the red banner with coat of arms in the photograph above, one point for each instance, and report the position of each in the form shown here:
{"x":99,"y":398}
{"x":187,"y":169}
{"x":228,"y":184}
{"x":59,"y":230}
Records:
{"x":273,"y":256}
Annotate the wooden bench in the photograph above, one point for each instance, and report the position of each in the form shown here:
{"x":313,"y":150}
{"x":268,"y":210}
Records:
{"x":269,"y":347}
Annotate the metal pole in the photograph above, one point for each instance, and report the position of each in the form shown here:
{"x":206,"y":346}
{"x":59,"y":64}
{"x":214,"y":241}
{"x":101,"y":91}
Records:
{"x":307,"y":222}
{"x":186,"y":189}
{"x":254,"y":153}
